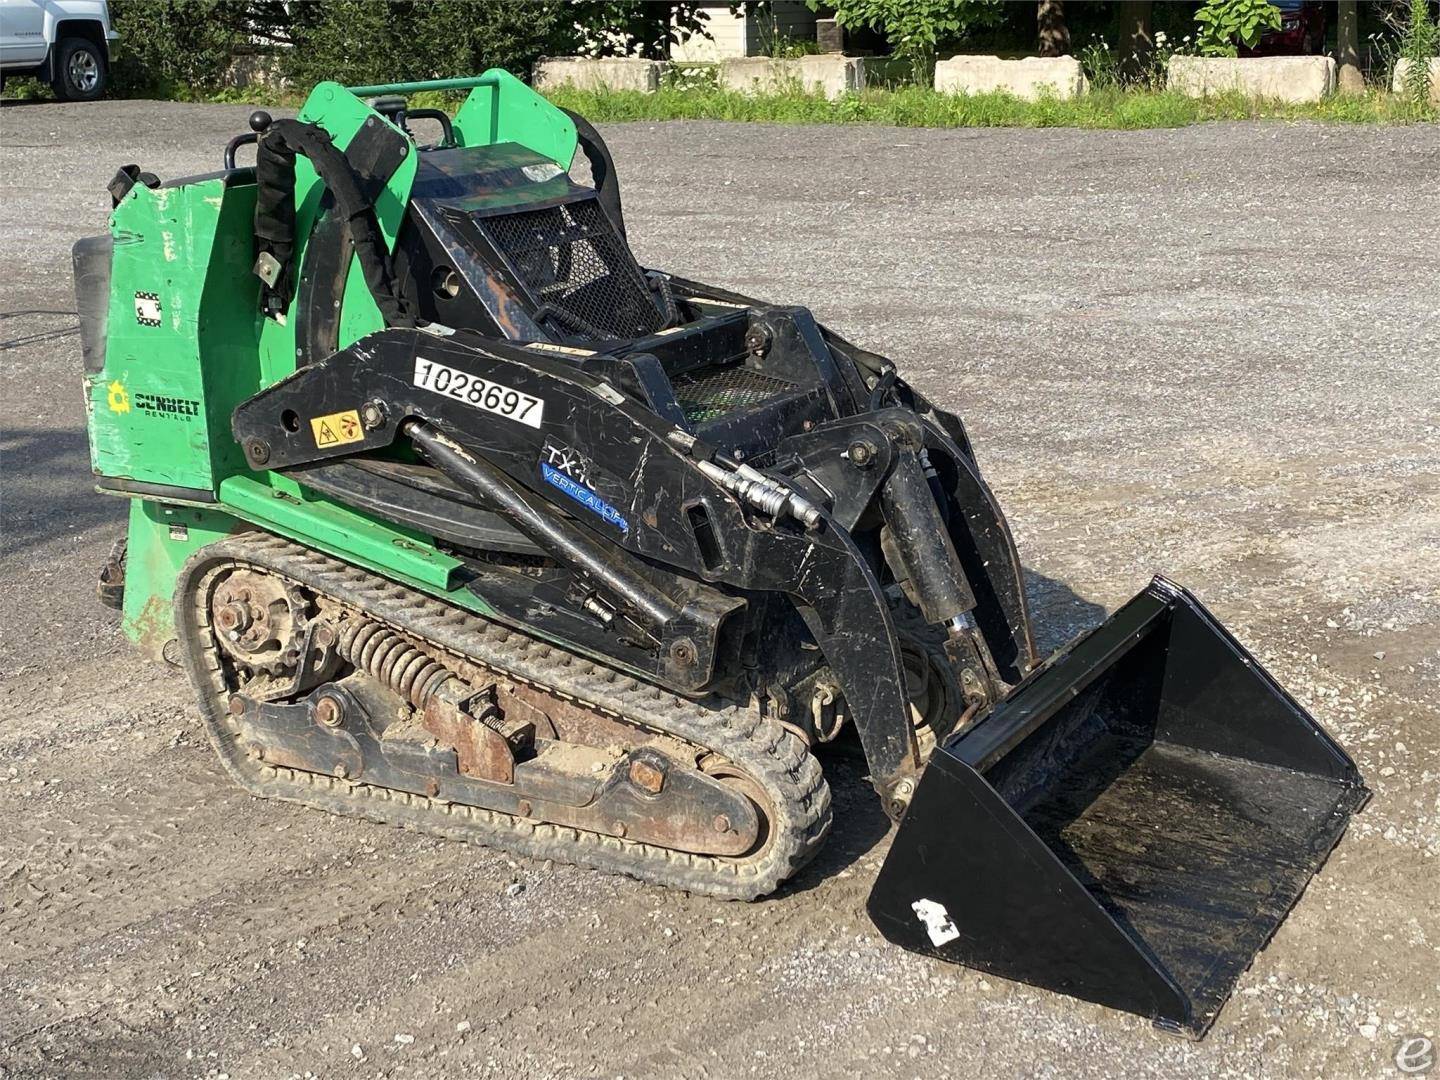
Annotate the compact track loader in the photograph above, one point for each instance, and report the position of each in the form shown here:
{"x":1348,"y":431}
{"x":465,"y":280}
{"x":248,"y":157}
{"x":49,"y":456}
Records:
{"x":460,"y":519}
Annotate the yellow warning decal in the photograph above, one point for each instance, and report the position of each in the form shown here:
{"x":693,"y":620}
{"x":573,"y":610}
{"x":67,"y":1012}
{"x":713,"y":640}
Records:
{"x":337,"y":429}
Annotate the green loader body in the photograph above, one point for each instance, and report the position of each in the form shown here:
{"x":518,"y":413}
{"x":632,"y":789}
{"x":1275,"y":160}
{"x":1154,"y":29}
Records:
{"x":185,"y":343}
{"x":458,"y":518}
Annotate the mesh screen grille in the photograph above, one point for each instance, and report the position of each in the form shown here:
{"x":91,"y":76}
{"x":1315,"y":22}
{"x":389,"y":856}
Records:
{"x":574,"y":264}
{"x":710,"y":392}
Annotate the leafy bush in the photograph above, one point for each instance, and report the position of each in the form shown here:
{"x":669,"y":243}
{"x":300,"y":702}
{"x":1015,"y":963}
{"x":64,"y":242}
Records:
{"x":188,"y":46}
{"x":915,"y":29}
{"x":1418,"y":45}
{"x":1224,"y":23}
{"x":359,"y":41}
{"x":170,"y":45}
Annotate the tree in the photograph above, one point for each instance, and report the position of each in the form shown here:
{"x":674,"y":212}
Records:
{"x":1134,"y":40}
{"x":193,"y":43}
{"x":189,"y":43}
{"x":1054,"y":34}
{"x":633,"y":27}
{"x":1347,"y":48}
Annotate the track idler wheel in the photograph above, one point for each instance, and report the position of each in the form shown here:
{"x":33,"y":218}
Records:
{"x":258,"y":619}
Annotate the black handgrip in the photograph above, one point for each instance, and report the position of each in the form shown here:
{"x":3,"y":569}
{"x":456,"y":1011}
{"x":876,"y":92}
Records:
{"x":602,"y":168}
{"x":448,"y":139}
{"x":235,"y":144}
{"x":259,"y":121}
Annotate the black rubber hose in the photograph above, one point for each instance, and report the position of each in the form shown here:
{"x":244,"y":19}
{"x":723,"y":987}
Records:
{"x":275,"y":211}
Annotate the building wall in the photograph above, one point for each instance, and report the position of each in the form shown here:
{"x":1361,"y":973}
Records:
{"x":745,"y":34}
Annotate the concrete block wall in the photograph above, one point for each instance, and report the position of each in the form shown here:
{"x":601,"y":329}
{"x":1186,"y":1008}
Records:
{"x":830,"y":75}
{"x":1402,"y":67}
{"x":607,"y":73}
{"x":1027,"y":78}
{"x":1296,"y":79}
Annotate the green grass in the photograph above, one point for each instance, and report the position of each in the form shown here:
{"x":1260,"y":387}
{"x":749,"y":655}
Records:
{"x":905,"y":106}
{"x":920,"y":107}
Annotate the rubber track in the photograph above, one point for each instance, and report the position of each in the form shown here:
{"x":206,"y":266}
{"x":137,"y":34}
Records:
{"x":770,"y":755}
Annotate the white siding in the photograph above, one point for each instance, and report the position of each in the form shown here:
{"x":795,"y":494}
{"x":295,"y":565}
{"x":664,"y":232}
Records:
{"x":744,"y":34}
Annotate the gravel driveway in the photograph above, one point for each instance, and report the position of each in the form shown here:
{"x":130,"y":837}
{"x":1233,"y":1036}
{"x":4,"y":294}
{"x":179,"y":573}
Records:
{"x":1213,"y":352}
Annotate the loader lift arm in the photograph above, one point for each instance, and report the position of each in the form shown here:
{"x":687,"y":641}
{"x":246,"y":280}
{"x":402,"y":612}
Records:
{"x":831,"y":582}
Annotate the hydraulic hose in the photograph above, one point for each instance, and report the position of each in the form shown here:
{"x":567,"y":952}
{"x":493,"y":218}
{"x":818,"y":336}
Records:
{"x":275,"y":213}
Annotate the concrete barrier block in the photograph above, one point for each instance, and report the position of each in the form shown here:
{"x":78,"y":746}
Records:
{"x":830,"y":75}
{"x":1402,"y":68}
{"x":1026,"y":78}
{"x":603,"y":73}
{"x":259,"y":71}
{"x":1295,"y":79}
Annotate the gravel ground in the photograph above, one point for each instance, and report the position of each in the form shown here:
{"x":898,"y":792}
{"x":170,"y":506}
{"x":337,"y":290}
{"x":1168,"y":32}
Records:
{"x":1213,"y":352}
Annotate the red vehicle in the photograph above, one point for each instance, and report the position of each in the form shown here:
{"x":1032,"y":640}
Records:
{"x":1301,"y":33}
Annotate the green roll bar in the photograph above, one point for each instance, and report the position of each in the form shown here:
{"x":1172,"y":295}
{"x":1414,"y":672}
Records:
{"x":468,"y":83}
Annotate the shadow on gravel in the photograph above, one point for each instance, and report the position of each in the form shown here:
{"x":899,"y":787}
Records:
{"x":1058,"y":613}
{"x":36,"y":337}
{"x":48,"y":492}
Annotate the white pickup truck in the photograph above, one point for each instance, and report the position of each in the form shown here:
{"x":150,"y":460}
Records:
{"x":63,"y":42}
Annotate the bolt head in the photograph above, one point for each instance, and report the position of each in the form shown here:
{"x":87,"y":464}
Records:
{"x":329,"y":712}
{"x":647,"y":776}
{"x":618,"y":828}
{"x":258,"y":450}
{"x":683,"y":652}
{"x":234,"y":619}
{"x":899,"y":800}
{"x":236,"y":705}
{"x":861,"y":453}
{"x":721,"y":823}
{"x":524,"y":808}
{"x":372,"y":415}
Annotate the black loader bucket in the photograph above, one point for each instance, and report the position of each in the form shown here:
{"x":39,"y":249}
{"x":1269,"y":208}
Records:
{"x":1129,"y":826}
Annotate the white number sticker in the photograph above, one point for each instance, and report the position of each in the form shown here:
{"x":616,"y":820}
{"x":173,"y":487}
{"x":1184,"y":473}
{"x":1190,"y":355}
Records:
{"x":477,"y":392}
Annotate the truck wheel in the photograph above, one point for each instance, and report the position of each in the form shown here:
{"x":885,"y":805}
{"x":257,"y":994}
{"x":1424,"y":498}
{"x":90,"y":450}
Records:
{"x":79,"y":70}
